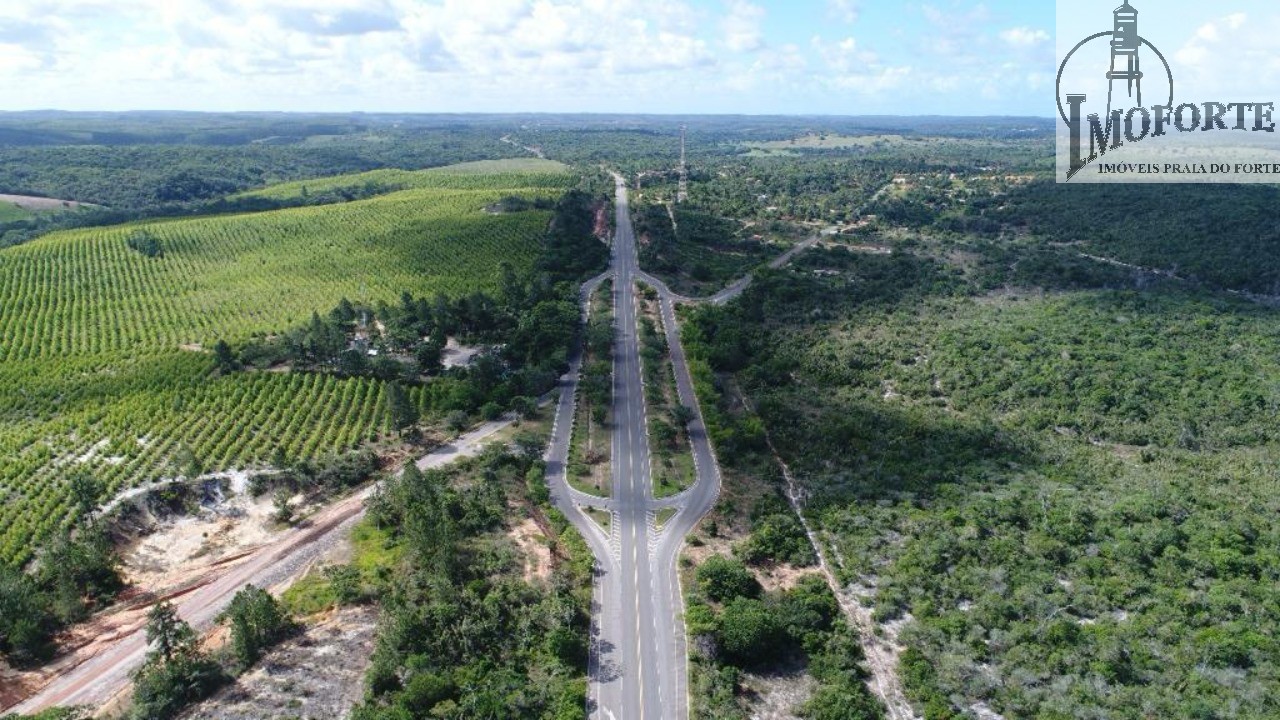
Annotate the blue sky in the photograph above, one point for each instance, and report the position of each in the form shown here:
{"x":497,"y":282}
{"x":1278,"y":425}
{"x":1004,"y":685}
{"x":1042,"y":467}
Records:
{"x":957,"y":57}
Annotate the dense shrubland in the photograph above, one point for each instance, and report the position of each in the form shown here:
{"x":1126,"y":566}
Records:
{"x":734,"y":626}
{"x":462,"y":634}
{"x":1055,"y":468}
{"x":1067,"y":494}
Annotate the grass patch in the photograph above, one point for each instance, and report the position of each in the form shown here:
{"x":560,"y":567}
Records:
{"x":602,"y":518}
{"x":375,"y":556}
{"x":12,"y":213}
{"x":664,"y":517}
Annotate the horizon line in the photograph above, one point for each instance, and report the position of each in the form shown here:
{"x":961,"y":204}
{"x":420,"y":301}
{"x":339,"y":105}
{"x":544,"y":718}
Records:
{"x":524,"y":113}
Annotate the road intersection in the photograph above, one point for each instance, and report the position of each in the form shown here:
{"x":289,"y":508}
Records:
{"x":639,"y":658}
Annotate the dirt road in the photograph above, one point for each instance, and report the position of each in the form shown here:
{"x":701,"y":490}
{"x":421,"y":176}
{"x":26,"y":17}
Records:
{"x":92,"y":674}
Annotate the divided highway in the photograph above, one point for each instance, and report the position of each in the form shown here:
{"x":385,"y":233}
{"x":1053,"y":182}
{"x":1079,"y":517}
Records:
{"x":639,"y":667}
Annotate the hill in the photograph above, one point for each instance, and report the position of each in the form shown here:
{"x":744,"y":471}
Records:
{"x":103,"y":332}
{"x":525,"y":172}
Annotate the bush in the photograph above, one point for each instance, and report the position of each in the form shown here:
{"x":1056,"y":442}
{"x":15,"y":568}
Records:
{"x":175,"y":673}
{"x":779,"y":538}
{"x":724,"y":579}
{"x":751,"y":634}
{"x":345,"y":583}
{"x":160,"y":692}
{"x":257,"y":623}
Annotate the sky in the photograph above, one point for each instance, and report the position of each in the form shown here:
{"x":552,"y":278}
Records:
{"x":844,"y":57}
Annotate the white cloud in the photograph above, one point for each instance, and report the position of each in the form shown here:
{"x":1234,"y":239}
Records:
{"x":1024,"y":37}
{"x":429,"y":55}
{"x":384,"y":50}
{"x":844,"y":56}
{"x":742,"y":26}
{"x":852,"y":67}
{"x":1208,"y":65}
{"x":844,"y":10}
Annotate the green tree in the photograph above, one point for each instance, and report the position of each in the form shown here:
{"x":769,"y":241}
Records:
{"x":457,"y":421}
{"x":525,"y":408}
{"x":225,"y":358}
{"x":168,"y":636}
{"x":257,"y":622}
{"x":429,"y":354}
{"x":842,"y":703}
{"x":26,"y":622}
{"x":186,"y":464}
{"x":724,"y":579}
{"x":779,"y":538}
{"x":401,"y":410}
{"x":78,"y":572}
{"x":284,"y":511}
{"x":175,"y":673}
{"x":750,"y":633}
{"x":86,"y":492}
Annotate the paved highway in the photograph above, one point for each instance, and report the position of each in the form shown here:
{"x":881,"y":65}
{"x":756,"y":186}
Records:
{"x":639,"y":659}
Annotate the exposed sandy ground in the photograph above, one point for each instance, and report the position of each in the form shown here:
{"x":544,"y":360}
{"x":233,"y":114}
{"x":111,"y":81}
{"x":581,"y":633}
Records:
{"x":180,"y":556}
{"x":29,"y":202}
{"x":457,"y":355}
{"x":533,"y":545}
{"x":783,"y":577}
{"x":165,"y":557}
{"x":319,"y":674}
{"x":776,"y":697}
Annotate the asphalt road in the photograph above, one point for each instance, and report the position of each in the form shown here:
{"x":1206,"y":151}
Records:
{"x":639,"y":660}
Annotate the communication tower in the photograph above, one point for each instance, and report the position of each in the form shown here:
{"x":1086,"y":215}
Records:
{"x":683,"y":193}
{"x":1125,"y":43}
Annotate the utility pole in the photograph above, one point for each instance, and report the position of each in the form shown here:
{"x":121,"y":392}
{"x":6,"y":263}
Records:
{"x":683,"y":193}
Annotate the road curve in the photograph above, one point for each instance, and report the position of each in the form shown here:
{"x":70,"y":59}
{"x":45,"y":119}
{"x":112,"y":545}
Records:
{"x":736,"y":288}
{"x":639,"y":658}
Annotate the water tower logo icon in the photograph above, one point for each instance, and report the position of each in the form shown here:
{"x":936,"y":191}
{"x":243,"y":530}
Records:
{"x":1126,"y":60}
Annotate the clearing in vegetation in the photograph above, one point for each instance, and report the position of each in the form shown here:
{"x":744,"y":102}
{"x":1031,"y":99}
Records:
{"x":701,"y":253}
{"x":9,"y":212}
{"x":482,"y":175}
